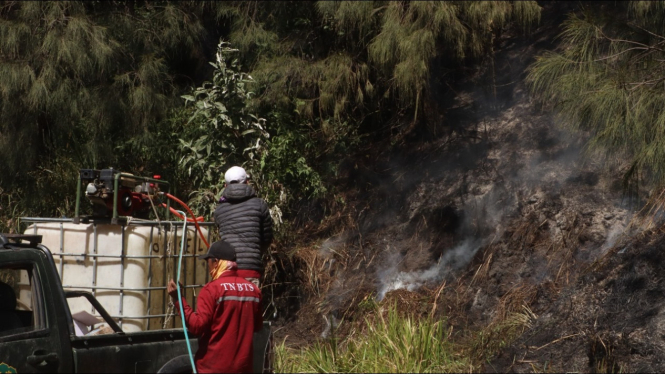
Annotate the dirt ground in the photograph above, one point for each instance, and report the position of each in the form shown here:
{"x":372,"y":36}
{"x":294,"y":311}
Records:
{"x":500,"y":212}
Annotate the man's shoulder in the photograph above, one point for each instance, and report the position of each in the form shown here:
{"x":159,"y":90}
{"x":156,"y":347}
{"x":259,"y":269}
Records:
{"x":246,"y":200}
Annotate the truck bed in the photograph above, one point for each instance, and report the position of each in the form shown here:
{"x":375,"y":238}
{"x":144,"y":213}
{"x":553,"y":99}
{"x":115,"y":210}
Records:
{"x":130,"y":352}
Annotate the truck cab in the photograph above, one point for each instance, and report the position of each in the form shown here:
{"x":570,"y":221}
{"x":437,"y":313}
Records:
{"x":37,"y":333}
{"x":33,"y":337}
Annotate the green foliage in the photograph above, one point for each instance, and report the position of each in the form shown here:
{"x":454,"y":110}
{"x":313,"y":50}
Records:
{"x":391,"y":344}
{"x":394,"y":342}
{"x":224,"y":132}
{"x":607,"y":78}
{"x":284,"y":168}
{"x":157,"y":150}
{"x":373,"y":45}
{"x":81,"y":81}
{"x":95,"y":84}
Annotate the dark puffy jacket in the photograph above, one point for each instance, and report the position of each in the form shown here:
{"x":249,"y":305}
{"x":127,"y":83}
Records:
{"x":244,"y":222}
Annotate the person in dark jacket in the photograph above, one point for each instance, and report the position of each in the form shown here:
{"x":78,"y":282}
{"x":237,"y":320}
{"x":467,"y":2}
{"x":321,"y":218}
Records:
{"x":244,"y":221}
{"x":227,"y":315}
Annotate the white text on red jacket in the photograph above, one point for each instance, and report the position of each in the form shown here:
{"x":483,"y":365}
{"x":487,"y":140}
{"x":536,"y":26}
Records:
{"x":237,"y":286}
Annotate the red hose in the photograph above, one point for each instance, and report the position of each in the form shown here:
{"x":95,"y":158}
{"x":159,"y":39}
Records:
{"x":175,"y":213}
{"x":190,"y":212}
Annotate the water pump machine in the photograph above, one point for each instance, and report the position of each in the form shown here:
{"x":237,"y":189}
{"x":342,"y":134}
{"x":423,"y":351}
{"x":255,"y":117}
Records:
{"x":117,"y":195}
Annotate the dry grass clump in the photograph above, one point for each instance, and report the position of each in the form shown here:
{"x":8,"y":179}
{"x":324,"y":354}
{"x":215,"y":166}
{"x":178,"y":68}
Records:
{"x":511,"y":317}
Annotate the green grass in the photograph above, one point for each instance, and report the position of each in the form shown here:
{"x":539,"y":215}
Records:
{"x":394,"y":342}
{"x":390,"y":344}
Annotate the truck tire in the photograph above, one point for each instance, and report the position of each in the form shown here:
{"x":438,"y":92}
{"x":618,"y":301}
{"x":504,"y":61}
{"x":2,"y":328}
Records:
{"x":180,"y":364}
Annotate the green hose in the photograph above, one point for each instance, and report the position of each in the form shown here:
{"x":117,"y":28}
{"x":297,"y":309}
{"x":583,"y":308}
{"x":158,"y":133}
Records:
{"x":182,"y":312}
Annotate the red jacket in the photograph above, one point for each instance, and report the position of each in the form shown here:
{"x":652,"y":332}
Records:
{"x":227,"y":315}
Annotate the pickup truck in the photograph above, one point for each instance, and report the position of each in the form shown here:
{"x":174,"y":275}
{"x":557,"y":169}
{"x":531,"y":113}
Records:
{"x":39,"y":336}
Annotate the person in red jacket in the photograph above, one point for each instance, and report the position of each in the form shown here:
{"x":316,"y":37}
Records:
{"x":227,"y":315}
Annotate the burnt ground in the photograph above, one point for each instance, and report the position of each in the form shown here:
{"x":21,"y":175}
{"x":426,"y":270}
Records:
{"x":609,"y":320}
{"x":492,"y":212}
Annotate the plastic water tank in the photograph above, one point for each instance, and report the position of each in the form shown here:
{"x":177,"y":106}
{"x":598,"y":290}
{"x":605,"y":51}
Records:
{"x":126,"y":267}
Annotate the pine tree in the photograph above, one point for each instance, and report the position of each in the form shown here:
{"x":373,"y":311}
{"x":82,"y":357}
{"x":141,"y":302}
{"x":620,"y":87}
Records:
{"x":333,"y":60}
{"x":80,"y":79}
{"x":608,"y":77}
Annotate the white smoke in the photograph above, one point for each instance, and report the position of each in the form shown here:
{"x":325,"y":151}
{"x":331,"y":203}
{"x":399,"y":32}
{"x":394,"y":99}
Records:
{"x":616,"y":231}
{"x":391,"y":279}
{"x":545,"y":159}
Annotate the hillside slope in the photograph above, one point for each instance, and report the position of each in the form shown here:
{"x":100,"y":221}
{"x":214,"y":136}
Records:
{"x":500,"y":212}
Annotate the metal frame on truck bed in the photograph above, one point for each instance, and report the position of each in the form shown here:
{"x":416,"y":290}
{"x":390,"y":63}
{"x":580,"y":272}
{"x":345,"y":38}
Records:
{"x":155,"y":284}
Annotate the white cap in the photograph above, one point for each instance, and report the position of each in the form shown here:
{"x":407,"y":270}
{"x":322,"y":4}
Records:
{"x":235,"y":174}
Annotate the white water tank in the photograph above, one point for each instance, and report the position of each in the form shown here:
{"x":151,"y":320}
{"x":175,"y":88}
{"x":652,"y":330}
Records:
{"x":126,"y":267}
